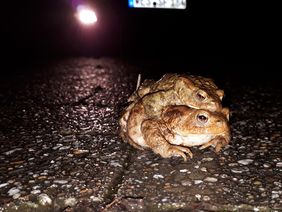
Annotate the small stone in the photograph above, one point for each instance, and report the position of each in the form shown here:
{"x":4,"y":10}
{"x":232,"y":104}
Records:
{"x":12,"y":151}
{"x":196,"y":182}
{"x":257,"y":183}
{"x":266,"y":165}
{"x":17,"y":162}
{"x":3,"y":185}
{"x":64,"y":147}
{"x":158,"y":176}
{"x":96,"y":199}
{"x":16,"y":196}
{"x":115,"y":164}
{"x":263,"y":194}
{"x":274,"y":196}
{"x":210,"y":179}
{"x":250,"y":196}
{"x":79,"y":152}
{"x":279,"y":164}
{"x":35,"y":191}
{"x":35,"y":175}
{"x":232,"y":164}
{"x":239,"y":170}
{"x":44,"y":199}
{"x":164,"y":200}
{"x":183,"y":170}
{"x":203,"y":169}
{"x":61,"y":181}
{"x":198,"y":196}
{"x":186,"y":183}
{"x":138,"y":181}
{"x":206,"y":198}
{"x":42,"y":177}
{"x":70,"y":201}
{"x":245,"y":161}
{"x":207,"y":159}
{"x":223,"y":176}
{"x":13,"y":191}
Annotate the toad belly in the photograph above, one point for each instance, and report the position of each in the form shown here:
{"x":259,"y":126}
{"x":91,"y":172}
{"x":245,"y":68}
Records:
{"x":191,"y":139}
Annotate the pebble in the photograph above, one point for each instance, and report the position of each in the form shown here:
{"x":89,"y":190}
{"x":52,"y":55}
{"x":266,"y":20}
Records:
{"x":203,"y":169}
{"x":158,"y":176}
{"x":61,"y":181}
{"x":115,"y":164}
{"x":207,"y":159}
{"x":164,"y":200}
{"x":279,"y":164}
{"x":245,"y":161}
{"x":80,"y":151}
{"x":64,"y":147}
{"x":274,"y":196}
{"x":210,"y":179}
{"x":16,"y":196}
{"x":44,"y":199}
{"x":196,"y":182}
{"x":232,"y":164}
{"x":96,"y":199}
{"x":12,"y":151}
{"x":206,"y":198}
{"x":223,"y":176}
{"x":35,"y":191}
{"x":266,"y":165}
{"x":3,"y":185}
{"x":13,"y":191}
{"x":198,"y":196}
{"x":257,"y":183}
{"x":57,"y":146}
{"x":239,"y":170}
{"x":184,"y":170}
{"x":70,"y":201}
{"x":186,"y":183}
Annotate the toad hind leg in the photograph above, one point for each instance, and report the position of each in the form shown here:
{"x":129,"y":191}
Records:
{"x":156,"y":141}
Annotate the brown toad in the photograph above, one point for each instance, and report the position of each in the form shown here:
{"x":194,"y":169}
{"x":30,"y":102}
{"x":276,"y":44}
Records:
{"x":180,"y":127}
{"x":200,"y":88}
{"x":172,"y":89}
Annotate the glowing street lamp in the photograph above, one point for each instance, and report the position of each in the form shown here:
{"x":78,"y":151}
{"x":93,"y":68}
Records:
{"x":86,"y":15}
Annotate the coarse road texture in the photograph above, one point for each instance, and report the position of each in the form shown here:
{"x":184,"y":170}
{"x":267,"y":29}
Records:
{"x":60,"y":149}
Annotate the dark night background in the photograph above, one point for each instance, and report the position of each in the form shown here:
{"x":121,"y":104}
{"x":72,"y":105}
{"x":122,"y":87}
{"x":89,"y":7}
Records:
{"x":230,"y":38}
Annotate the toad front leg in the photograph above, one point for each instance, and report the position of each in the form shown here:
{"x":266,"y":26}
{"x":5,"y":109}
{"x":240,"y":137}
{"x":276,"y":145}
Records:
{"x":157,"y":142}
{"x":218,"y":142}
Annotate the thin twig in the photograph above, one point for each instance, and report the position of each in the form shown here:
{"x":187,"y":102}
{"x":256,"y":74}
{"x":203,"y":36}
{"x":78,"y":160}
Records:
{"x":138,"y":81}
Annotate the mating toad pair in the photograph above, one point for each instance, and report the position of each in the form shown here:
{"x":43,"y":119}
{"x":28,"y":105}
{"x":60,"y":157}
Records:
{"x":174,"y":113}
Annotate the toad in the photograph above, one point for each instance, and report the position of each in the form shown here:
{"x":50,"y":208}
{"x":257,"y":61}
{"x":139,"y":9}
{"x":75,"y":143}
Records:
{"x":172,"y":89}
{"x":180,"y":127}
{"x":203,"y":87}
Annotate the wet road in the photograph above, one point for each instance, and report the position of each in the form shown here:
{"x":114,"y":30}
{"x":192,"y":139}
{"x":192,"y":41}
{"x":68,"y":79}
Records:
{"x":60,"y":149}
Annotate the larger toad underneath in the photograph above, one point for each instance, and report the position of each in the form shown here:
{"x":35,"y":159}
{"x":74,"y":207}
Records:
{"x":180,"y":127}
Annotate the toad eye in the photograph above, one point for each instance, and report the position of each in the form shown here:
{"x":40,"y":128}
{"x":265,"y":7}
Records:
{"x":202,"y":118}
{"x":201,"y":96}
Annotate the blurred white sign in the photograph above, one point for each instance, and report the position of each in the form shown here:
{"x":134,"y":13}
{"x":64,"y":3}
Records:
{"x":169,"y":4}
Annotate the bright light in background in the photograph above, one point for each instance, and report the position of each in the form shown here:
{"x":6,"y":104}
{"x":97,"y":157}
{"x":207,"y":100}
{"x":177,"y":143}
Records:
{"x":86,"y":15}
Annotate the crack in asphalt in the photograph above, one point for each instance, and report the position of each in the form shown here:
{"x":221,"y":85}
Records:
{"x":110,"y":197}
{"x":82,"y":100}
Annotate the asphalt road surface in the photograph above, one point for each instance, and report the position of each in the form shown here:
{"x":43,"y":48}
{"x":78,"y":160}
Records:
{"x":60,"y":149}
